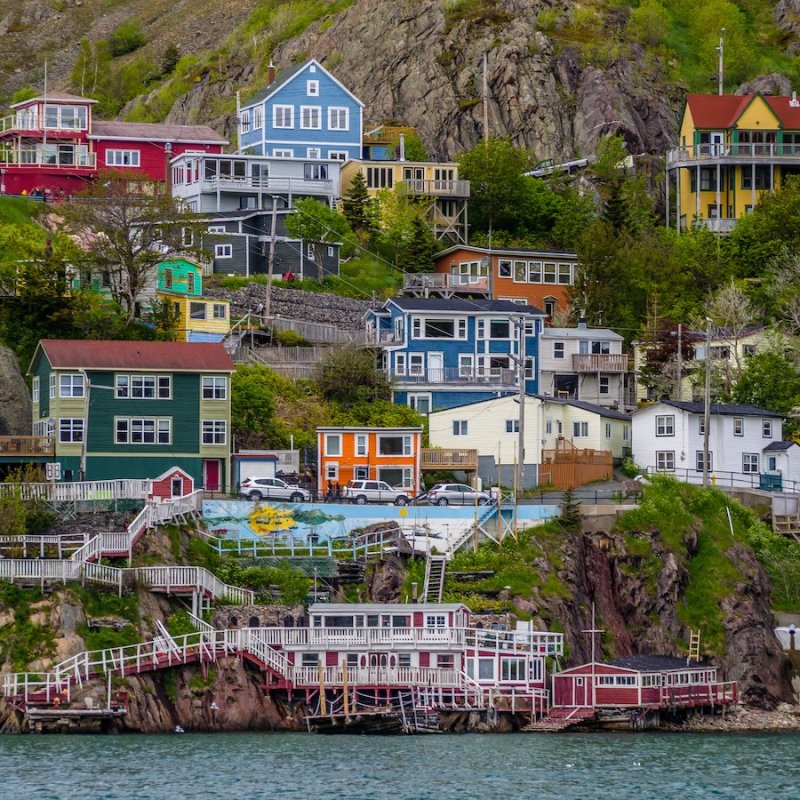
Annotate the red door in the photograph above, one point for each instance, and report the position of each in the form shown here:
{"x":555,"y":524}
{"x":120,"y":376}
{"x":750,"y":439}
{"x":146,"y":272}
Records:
{"x":581,"y":691}
{"x":211,"y":475}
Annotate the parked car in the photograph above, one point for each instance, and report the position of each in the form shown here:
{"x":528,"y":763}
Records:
{"x":457,"y":494}
{"x":272,"y":489}
{"x":363,"y":492}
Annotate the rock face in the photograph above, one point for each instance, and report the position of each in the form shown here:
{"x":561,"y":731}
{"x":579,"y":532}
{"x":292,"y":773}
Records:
{"x":15,"y":401}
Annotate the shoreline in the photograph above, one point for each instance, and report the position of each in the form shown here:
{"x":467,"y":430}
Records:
{"x":784,"y":719}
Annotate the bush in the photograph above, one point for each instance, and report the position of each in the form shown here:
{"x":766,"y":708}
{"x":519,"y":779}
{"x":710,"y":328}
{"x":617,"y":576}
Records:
{"x":630,"y":469}
{"x":126,"y":38}
{"x":290,"y":339}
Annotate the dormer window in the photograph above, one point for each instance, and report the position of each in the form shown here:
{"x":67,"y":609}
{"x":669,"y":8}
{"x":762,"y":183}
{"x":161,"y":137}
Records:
{"x":312,"y":88}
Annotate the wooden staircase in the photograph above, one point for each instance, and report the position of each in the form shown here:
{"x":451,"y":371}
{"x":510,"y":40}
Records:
{"x":433,"y":588}
{"x":560,"y":719}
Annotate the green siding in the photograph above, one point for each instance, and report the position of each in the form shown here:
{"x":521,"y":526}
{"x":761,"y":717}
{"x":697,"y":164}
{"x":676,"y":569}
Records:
{"x":180,"y":267}
{"x":42,"y":370}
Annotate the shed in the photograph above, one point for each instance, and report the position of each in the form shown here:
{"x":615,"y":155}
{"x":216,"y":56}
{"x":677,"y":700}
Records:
{"x":254,"y":464}
{"x":173,"y":483}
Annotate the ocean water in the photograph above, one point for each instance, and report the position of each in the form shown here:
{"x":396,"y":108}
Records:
{"x":449,"y":767}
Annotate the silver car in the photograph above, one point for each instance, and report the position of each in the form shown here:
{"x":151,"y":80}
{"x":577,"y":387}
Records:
{"x":273,"y":489}
{"x":457,"y":494}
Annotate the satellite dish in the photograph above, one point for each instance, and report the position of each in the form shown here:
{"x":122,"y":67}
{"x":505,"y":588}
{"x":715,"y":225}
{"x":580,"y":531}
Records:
{"x":485,"y":261}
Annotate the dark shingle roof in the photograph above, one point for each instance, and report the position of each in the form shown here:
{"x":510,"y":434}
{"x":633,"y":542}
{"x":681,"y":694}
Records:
{"x":725,"y":410}
{"x":467,"y":306}
{"x":156,"y":131}
{"x":603,"y":411}
{"x":656,"y":663}
{"x":283,"y":78}
{"x":779,"y":446}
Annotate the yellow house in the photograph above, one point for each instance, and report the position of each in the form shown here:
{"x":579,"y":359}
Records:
{"x":200,"y":319}
{"x":730,"y":150}
{"x":436,"y":182}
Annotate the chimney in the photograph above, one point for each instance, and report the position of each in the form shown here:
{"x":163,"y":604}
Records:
{"x":793,"y":102}
{"x":402,"y":147}
{"x":582,"y":323}
{"x":270,"y":73}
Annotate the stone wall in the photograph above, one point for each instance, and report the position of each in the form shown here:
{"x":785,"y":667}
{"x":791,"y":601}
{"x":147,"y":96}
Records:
{"x":277,"y":616}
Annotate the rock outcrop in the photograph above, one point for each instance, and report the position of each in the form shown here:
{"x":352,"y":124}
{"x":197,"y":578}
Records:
{"x":15,"y":400}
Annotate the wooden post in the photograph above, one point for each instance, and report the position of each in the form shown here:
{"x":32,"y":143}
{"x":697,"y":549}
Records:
{"x":344,"y":688}
{"x":323,"y":710}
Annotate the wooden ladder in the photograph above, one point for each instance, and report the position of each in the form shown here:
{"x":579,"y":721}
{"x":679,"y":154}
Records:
{"x":694,"y":645}
{"x":433,"y":588}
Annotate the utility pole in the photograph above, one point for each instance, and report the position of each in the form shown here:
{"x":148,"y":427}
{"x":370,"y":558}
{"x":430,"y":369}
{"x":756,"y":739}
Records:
{"x":721,"y":51}
{"x":485,"y":100}
{"x":679,"y":391}
{"x":707,"y":407}
{"x":271,"y":260}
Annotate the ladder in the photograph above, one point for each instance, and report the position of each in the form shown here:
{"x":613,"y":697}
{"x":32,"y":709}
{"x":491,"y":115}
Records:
{"x":694,"y":645}
{"x":433,"y":588}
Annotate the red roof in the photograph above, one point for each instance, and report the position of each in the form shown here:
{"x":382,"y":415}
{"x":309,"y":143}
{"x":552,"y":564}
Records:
{"x":721,"y":111}
{"x":105,"y":354}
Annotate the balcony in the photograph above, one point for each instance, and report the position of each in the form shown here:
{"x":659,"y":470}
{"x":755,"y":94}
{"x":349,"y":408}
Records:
{"x":602,"y":362}
{"x":385,"y":337}
{"x":438,"y":458}
{"x":436,"y":188}
{"x":27,"y":446}
{"x":428,"y":283}
{"x":29,"y":124}
{"x":63,"y":159}
{"x":733,"y":154}
{"x":230,"y":183}
{"x":454,"y":375}
{"x":721,"y":226}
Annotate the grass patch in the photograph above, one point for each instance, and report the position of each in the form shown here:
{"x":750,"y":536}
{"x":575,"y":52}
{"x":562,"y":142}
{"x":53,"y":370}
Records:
{"x":19,"y":210}
{"x":22,"y":642}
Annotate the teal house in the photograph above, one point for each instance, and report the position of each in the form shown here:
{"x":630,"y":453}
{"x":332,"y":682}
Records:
{"x":120,"y":409}
{"x":180,"y":275}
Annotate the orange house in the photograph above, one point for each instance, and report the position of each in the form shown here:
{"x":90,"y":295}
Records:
{"x":379,"y":454}
{"x":539,"y":278}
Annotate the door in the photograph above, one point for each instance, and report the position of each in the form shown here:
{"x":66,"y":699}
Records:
{"x":717,"y":138}
{"x":177,"y":486}
{"x":581,"y":691}
{"x":212,"y":472}
{"x":436,"y":367}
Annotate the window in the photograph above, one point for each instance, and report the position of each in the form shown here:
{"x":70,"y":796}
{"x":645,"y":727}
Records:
{"x":315,"y":172}
{"x":601,"y":347}
{"x":167,"y":278}
{"x":70,"y":385}
{"x":283,"y":117}
{"x":481,"y":329}
{"x":361,"y":473}
{"x":665,"y":460}
{"x":465,"y":365}
{"x":312,"y":88}
{"x":380,"y":177}
{"x":404,"y":659}
{"x":190,"y":282}
{"x":197,"y":310}
{"x":460,"y":427}
{"x":699,"y":461}
{"x":548,"y":428}
{"x":550,"y":307}
{"x":625,"y":432}
{"x":220,"y":311}
{"x":665,"y":425}
{"x":394,"y":445}
{"x":416,"y":365}
{"x":338,"y":119}
{"x":550,"y":273}
{"x":499,"y":329}
{"x":223,"y":251}
{"x":608,"y":430}
{"x":580,"y":430}
{"x":313,"y":152}
{"x":310,"y":660}
{"x":216,"y":229}
{"x":749,"y":350}
{"x":258,"y":117}
{"x":558,"y":349}
{"x":332,"y":471}
{"x":52,"y":386}
{"x":604,"y":384}
{"x":362,"y":444}
{"x":214,"y":388}
{"x":122,"y":158}
{"x":440,"y":329}
{"x":421,"y":403}
{"x":701,"y":426}
{"x":504,"y":268}
{"x":534,"y":272}
{"x":766,"y":428}
{"x":530,"y":368}
{"x":244,"y":121}
{"x":400,"y":363}
{"x":214,"y":431}
{"x":738,"y":426}
{"x":513,"y":669}
{"x":762,"y":175}
{"x":333,"y":444}
{"x":70,"y":430}
{"x":750,"y":462}
{"x":772,"y":464}
{"x":143,"y":387}
{"x":283,"y":153}
{"x":35,"y":389}
{"x":565,"y":274}
{"x":311,"y":117}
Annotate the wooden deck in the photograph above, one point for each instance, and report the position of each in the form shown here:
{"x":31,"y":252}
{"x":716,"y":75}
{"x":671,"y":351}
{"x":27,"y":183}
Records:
{"x":27,"y":446}
{"x":436,"y":458}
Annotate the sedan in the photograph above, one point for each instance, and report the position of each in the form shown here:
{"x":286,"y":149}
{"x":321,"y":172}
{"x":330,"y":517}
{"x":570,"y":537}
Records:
{"x":457,"y":494}
{"x":273,"y":489}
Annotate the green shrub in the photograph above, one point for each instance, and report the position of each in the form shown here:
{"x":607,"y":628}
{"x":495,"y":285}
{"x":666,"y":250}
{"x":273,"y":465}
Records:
{"x":290,"y":339}
{"x":126,"y":38}
{"x":630,"y":469}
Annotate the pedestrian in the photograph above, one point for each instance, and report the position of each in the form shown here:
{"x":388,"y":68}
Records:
{"x":329,"y":493}
{"x":338,"y":492}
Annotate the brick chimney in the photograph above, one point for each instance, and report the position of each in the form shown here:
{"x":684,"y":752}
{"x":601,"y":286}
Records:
{"x":270,"y":73}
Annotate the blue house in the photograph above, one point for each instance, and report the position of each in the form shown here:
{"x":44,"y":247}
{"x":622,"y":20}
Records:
{"x":444,"y":353}
{"x":305,"y":113}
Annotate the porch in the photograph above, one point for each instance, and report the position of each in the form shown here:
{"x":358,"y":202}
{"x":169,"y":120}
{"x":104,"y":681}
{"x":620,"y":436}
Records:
{"x":27,"y":446}
{"x":441,"y":458}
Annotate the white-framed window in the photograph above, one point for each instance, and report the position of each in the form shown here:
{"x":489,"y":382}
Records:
{"x":333,"y":444}
{"x":503,"y":268}
{"x":416,"y":364}
{"x":361,"y":472}
{"x":331,"y":252}
{"x":215,"y":431}
{"x":214,"y":387}
{"x":558,"y":349}
{"x":312,"y":88}
{"x":698,"y":458}
{"x":244,"y":121}
{"x":52,"y":386}
{"x":460,"y":427}
{"x":70,"y":385}
{"x":480,"y":328}
{"x":143,"y":431}
{"x":608,"y":430}
{"x":313,"y":152}
{"x":315,"y":172}
{"x":338,"y":155}
{"x":393,"y":445}
{"x":362,"y":444}
{"x":738,"y":426}
{"x":604,"y":384}
{"x":311,"y":117}
{"x":70,"y":430}
{"x":223,"y":251}
{"x":216,"y":229}
{"x":500,"y":329}
{"x":548,"y":426}
{"x":283,"y":117}
{"x":283,"y":153}
{"x":338,"y":119}
{"x":143,"y":387}
{"x":466,"y":365}
{"x":258,"y":117}
{"x":530,"y":368}
{"x":766,"y":428}
{"x":625,"y":433}
{"x":512,"y":426}
{"x":701,"y":426}
{"x":220,"y":311}
{"x":380,"y":177}
{"x":580,"y":430}
{"x":665,"y":425}
{"x":310,"y":251}
{"x":332,"y":471}
{"x":416,"y":328}
{"x":750,"y":462}
{"x":420,"y":402}
{"x":665,"y":460}
{"x":400,"y":363}
{"x":122,"y":158}
{"x":35,"y":389}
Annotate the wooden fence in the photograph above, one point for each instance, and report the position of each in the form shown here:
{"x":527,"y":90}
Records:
{"x":566,"y":466}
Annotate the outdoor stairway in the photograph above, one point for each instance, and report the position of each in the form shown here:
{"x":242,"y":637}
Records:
{"x":559,"y":719}
{"x":433,"y":588}
{"x":484,"y":515}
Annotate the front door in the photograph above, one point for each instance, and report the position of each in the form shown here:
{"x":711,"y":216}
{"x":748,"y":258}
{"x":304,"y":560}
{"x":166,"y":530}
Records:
{"x":436,"y":367}
{"x":580,"y":691}
{"x":212,"y":472}
{"x":177,"y":486}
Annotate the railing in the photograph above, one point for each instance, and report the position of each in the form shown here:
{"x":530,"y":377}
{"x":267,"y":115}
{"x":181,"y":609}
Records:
{"x":169,"y":509}
{"x":32,"y":158}
{"x":596,"y":362}
{"x":382,"y":336}
{"x":437,"y":281}
{"x":77,"y":492}
{"x":444,"y":458}
{"x":543,"y":643}
{"x":700,"y":694}
{"x":731,"y":480}
{"x":316,"y":331}
{"x":377,"y":676}
{"x":174,"y":580}
{"x":293,"y":355}
{"x":721,"y":225}
{"x":62,"y":544}
{"x":434,"y":187}
{"x":493,"y":377}
{"x":732,"y":152}
{"x":33,"y":122}
{"x":288,"y":185}
{"x":27,"y":445}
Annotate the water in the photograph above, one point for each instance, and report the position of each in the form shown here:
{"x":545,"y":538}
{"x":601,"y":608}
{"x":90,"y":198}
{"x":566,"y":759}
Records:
{"x":529,"y":767}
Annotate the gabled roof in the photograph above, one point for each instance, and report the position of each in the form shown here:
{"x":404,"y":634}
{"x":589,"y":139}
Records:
{"x":717,"y":409}
{"x":582,"y":333}
{"x":711,"y":111}
{"x":158,"y":132}
{"x":58,"y":97}
{"x":110,"y":354}
{"x":773,"y":446}
{"x":506,"y":251}
{"x":287,"y":75}
{"x":658,"y":663}
{"x":610,"y":413}
{"x":465,"y":306}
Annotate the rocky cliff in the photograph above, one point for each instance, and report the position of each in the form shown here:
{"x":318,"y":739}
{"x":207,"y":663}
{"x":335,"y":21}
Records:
{"x":15,"y":401}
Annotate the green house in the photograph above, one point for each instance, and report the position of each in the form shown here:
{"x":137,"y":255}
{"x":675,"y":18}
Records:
{"x":119,"y":409}
{"x":180,"y":275}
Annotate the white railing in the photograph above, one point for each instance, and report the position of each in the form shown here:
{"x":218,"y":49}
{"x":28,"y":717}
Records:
{"x":285,"y":185}
{"x":725,"y":152}
{"x":498,"y":377}
{"x":62,"y":544}
{"x":78,"y":492}
{"x":378,"y":676}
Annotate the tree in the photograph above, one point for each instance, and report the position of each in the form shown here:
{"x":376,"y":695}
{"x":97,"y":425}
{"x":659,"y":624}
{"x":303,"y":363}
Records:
{"x":127,"y":226}
{"x":420,"y":247}
{"x":660,"y":371}
{"x":415,"y":149}
{"x":252,"y":406}
{"x":393,"y":212}
{"x":355,"y":204}
{"x":348,"y":375}
{"x":320,"y":225}
{"x":169,"y":58}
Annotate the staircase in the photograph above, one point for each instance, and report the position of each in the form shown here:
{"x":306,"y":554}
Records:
{"x":485,"y":514}
{"x":559,"y":719}
{"x":433,"y":588}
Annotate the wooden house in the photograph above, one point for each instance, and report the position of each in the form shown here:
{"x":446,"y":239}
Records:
{"x":175,"y":482}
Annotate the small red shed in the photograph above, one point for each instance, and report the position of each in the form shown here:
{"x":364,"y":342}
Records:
{"x":173,"y":483}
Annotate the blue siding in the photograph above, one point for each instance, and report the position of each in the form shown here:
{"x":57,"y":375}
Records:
{"x":294,"y":93}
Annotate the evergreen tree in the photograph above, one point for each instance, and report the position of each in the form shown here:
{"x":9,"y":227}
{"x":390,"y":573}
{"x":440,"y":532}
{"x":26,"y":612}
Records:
{"x":615,"y":208}
{"x":417,"y":253}
{"x":570,"y":516}
{"x":355,"y":204}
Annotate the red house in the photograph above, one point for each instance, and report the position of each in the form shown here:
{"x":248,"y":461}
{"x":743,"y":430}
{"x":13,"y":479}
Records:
{"x":175,"y":482}
{"x":51,"y":145}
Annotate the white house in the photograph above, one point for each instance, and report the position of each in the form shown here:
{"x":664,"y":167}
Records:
{"x":744,"y":441}
{"x":586,"y":364}
{"x":587,"y":426}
